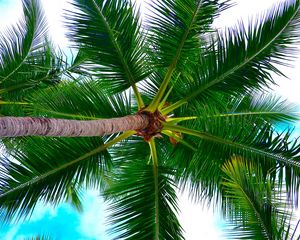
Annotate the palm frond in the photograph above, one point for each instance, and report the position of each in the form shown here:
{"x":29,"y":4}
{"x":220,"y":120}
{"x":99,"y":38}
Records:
{"x":109,"y":32}
{"x":254,"y":139}
{"x":40,"y":71}
{"x":82,"y":100}
{"x":19,"y":42}
{"x":175,"y":29}
{"x":45,"y":169}
{"x":242,"y":59}
{"x":269,"y":108}
{"x":150,"y":86}
{"x":218,"y":140}
{"x":175,"y":36}
{"x":74,"y":196}
{"x":249,"y":107}
{"x":27,"y":61}
{"x":252,"y":203}
{"x":129,"y":150}
{"x":132,"y":203}
{"x":78,"y":68}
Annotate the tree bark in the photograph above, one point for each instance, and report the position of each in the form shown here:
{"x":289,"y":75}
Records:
{"x":29,"y":126}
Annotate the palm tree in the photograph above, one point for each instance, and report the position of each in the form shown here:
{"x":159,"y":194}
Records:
{"x":165,"y":104}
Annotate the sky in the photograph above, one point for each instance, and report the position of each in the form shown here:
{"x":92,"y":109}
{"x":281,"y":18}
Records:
{"x":63,"y":222}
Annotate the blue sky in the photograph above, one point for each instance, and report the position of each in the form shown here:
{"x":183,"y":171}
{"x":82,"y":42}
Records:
{"x":63,"y":222}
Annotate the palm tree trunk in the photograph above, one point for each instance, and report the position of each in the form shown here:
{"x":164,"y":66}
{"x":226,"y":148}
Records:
{"x":28,"y":126}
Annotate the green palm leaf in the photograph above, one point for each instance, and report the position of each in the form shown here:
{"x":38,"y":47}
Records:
{"x":176,"y":27}
{"x":246,"y":108}
{"x":218,"y":140}
{"x":175,"y":35}
{"x":40,"y":71}
{"x":132,"y":205}
{"x":251,"y":202}
{"x":267,"y":107}
{"x":110,"y":31}
{"x":242,"y":58}
{"x":19,"y":42}
{"x":27,"y":60}
{"x":245,"y":138}
{"x":45,"y":169}
{"x":82,"y":100}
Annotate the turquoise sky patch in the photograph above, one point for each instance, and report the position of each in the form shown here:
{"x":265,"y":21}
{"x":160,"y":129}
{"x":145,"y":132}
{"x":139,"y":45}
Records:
{"x":62,"y":222}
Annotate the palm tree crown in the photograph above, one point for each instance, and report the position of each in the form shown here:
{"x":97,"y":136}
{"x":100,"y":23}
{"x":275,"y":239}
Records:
{"x":179,"y":105}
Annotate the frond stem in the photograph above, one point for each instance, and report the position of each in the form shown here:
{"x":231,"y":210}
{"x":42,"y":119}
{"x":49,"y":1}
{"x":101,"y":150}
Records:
{"x":245,"y":114}
{"x":174,"y":106}
{"x":164,"y":100}
{"x":216,"y":139}
{"x":155,"y":175}
{"x":178,"y":139}
{"x":14,"y":103}
{"x":180,"y":119}
{"x":161,"y":91}
{"x":239,"y":114}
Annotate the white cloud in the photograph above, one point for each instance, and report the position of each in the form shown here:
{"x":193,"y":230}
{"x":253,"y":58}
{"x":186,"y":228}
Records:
{"x":55,"y":12}
{"x":289,"y":88}
{"x":244,"y":10}
{"x":41,"y":211}
{"x":11,"y":11}
{"x":92,"y":220}
{"x":199,"y":220}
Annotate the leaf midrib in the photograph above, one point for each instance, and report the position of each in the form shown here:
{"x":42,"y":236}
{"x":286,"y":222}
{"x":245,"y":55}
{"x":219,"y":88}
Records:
{"x":154,"y":157}
{"x":257,"y":213}
{"x":253,"y":113}
{"x":183,"y":40}
{"x":216,"y":139}
{"x":161,"y":91}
